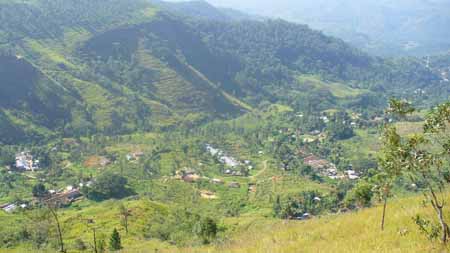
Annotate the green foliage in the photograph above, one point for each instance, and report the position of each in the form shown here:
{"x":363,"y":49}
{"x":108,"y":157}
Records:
{"x":207,"y":229}
{"x":362,"y":194}
{"x":400,"y":107}
{"x":339,"y":127}
{"x":115,"y":243}
{"x":427,"y":227}
{"x":39,"y":190}
{"x":277,"y":207}
{"x":121,"y":68}
{"x":305,"y":202}
{"x":107,"y":185}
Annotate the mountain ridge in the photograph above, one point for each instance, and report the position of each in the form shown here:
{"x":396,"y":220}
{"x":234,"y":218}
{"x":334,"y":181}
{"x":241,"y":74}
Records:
{"x":149,"y":68}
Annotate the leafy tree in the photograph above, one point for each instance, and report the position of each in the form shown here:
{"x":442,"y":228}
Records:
{"x":107,"y":185}
{"x":363,"y":193}
{"x":39,"y":191}
{"x":115,"y":242}
{"x":339,"y":128}
{"x":390,"y":167}
{"x":206,"y":229}
{"x":421,"y":163}
{"x":277,"y":207}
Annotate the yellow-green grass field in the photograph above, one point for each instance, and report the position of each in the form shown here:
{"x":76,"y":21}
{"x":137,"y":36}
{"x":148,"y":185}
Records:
{"x":349,"y":232}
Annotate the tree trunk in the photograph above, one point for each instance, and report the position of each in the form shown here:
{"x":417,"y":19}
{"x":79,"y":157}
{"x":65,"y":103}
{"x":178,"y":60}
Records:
{"x":58,"y":226}
{"x":126,"y":223}
{"x":438,"y":207}
{"x":384,"y":213}
{"x":444,"y":225}
{"x":95,"y":241}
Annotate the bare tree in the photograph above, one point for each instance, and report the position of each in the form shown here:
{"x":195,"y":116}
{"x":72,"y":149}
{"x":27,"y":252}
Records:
{"x":124,"y":214}
{"x":53,"y":208}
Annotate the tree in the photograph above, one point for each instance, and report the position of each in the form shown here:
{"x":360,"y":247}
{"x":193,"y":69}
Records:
{"x":390,"y":168}
{"x":107,"y":185}
{"x":339,"y":127}
{"x":91,"y":225}
{"x":124,"y":214}
{"x":363,"y":193}
{"x":206,"y":229}
{"x":54,"y":211}
{"x":39,"y":191}
{"x":115,"y":242}
{"x":422,"y":156}
{"x":277,"y":207}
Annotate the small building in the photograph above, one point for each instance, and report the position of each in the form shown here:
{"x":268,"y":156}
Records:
{"x":234,"y":185}
{"x":135,"y":156}
{"x":208,"y":194}
{"x":217,"y":181}
{"x":25,"y":162}
{"x":351,"y":174}
{"x":9,"y":208}
{"x":315,"y":132}
{"x":251,"y":187}
{"x":191,"y":178}
{"x":315,"y":162}
{"x":306,"y":216}
{"x":187,"y":175}
{"x":64,"y":198}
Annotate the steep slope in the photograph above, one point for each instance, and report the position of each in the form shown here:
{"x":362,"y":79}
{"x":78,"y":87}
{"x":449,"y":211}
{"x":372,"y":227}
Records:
{"x":30,"y":102}
{"x":119,"y":67}
{"x":272,"y":53}
{"x":62,"y":43}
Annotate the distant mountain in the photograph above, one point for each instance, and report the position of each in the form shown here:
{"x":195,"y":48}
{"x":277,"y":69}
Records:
{"x":82,"y":67}
{"x":384,"y":27}
{"x":203,"y":10}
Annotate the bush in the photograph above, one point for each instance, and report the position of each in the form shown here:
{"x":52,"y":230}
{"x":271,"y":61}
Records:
{"x":80,"y":245}
{"x":360,"y":196}
{"x":106,"y":186}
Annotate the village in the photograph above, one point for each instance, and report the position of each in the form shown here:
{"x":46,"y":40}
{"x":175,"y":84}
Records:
{"x":26,"y":163}
{"x":231,"y":167}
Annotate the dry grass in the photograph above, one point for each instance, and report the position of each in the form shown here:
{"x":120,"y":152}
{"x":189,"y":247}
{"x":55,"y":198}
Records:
{"x":352,"y":232}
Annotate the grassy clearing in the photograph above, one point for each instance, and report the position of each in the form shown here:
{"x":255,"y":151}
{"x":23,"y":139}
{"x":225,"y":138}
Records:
{"x":337,"y":89}
{"x":48,"y":53}
{"x":365,"y":143}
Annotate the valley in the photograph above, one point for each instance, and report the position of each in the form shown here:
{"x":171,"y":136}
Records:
{"x":146,"y":126}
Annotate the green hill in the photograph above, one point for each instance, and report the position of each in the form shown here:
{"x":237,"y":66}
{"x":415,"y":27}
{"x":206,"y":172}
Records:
{"x":119,"y":67}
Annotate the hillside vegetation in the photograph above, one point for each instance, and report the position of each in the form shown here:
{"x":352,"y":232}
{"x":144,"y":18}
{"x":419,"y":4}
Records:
{"x":121,"y":67}
{"x":161,"y":127}
{"x":351,"y":232}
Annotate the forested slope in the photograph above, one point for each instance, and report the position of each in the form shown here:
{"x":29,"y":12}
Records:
{"x":122,"y":66}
